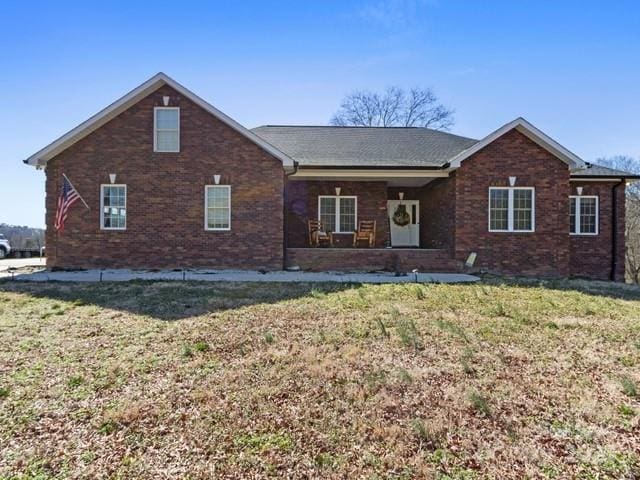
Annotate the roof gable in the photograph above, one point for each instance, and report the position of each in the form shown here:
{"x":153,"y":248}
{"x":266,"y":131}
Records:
{"x":531,"y":132}
{"x":41,"y":157}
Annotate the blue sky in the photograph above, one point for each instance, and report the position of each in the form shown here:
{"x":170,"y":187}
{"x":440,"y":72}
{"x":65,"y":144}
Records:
{"x":572,"y":67}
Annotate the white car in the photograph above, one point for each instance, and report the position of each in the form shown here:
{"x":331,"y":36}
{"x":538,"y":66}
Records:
{"x":5,"y":248}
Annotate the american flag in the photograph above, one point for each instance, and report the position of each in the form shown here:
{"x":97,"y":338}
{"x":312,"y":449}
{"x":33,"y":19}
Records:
{"x":67,"y":198}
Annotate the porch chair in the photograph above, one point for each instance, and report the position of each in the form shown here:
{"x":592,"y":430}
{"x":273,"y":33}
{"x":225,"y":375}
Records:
{"x":366,"y":231}
{"x":317,"y":234}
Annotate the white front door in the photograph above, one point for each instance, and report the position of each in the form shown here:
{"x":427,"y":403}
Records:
{"x":404,"y":235}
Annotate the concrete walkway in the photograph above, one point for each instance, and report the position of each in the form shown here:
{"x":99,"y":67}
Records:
{"x":234,"y":276}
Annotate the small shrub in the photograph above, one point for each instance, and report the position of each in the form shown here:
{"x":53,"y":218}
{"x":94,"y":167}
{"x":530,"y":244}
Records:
{"x":499,"y":310}
{"x":420,"y":294}
{"x":201,"y":346}
{"x":629,"y":387}
{"x":4,"y":392}
{"x":405,"y":376}
{"x":325,"y":460}
{"x":269,"y":338}
{"x":75,"y":381}
{"x":186,"y":352}
{"x":408,"y":333}
{"x":315,"y":293}
{"x":626,"y":411}
{"x":452,"y":328}
{"x":479,"y":403}
{"x":383,"y":329}
{"x":467,"y":358}
{"x":107,"y":427}
{"x":426,"y":435}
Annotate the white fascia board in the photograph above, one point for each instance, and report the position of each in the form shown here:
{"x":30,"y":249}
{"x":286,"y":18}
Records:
{"x":41,"y":157}
{"x":531,"y":132}
{"x":360,"y":173}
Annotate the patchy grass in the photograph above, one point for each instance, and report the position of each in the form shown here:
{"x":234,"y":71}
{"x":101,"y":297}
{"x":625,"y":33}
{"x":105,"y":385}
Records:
{"x":503,"y":379}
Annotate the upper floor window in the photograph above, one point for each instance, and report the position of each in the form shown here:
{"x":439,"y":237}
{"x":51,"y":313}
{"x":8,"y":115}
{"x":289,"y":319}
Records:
{"x":217,"y":207}
{"x":511,"y":209}
{"x":166,"y":129}
{"x":113,"y":207}
{"x":338,"y":214}
{"x":583,"y":216}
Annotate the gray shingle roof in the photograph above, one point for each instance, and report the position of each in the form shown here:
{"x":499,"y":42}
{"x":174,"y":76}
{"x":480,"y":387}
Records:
{"x":593,"y":170}
{"x":321,"y":146}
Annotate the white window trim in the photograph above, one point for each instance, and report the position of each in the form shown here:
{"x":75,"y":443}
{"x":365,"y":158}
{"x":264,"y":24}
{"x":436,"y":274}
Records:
{"x":578,"y":232}
{"x":337,"y":220}
{"x":155,"y":129}
{"x":102,"y":186}
{"x":510,"y":209}
{"x":206,"y":209}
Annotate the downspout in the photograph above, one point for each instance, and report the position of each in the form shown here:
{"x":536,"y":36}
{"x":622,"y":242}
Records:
{"x":285,"y":223}
{"x":614,"y":230}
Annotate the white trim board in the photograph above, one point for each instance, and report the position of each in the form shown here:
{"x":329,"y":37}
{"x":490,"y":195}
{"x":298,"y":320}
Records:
{"x":41,"y":157}
{"x":206,"y":209}
{"x":338,"y":198}
{"x":578,"y":215}
{"x":368,"y":173}
{"x":510,"y":210}
{"x":102,"y":187}
{"x":531,"y":132}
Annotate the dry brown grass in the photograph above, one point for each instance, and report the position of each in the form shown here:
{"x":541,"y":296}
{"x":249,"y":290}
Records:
{"x":169,"y":380}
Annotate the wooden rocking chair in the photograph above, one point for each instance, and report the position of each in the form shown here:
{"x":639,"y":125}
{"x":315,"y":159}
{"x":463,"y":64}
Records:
{"x":317,"y":234}
{"x":366,"y":231}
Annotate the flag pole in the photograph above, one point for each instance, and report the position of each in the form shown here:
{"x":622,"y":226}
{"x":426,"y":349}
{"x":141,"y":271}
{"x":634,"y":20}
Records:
{"x":80,"y":196}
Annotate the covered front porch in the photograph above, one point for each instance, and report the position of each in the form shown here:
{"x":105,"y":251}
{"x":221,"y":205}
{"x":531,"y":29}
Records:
{"x":412,"y":212}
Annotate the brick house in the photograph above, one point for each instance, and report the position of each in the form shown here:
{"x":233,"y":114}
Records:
{"x":172,"y":182}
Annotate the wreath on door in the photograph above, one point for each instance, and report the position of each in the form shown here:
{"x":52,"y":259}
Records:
{"x":401,"y":217}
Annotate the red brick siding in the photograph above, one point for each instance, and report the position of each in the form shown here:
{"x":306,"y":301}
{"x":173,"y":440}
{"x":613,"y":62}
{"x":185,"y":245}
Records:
{"x":165,"y":195}
{"x":302,"y":205}
{"x":437,"y":213}
{"x":544,"y":252}
{"x":366,"y":260}
{"x":591,"y":255}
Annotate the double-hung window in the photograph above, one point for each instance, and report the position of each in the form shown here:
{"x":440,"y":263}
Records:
{"x":166,"y":129}
{"x":511,"y":209}
{"x":217,"y":207}
{"x":113,"y":207}
{"x":338,"y":214}
{"x":583,"y":216}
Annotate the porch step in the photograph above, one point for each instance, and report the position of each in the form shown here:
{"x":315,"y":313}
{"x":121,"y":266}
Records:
{"x":371,"y":259}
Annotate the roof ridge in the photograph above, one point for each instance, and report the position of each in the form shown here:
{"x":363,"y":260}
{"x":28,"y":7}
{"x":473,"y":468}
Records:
{"x":339,"y":126}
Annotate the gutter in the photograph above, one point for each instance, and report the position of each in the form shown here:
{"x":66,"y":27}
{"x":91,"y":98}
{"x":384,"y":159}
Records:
{"x":285,"y":223}
{"x":614,"y":230}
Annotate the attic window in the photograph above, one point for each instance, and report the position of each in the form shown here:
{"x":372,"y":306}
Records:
{"x":166,"y":129}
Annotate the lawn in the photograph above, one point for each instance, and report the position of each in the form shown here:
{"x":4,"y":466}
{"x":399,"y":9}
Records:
{"x":501,"y":379}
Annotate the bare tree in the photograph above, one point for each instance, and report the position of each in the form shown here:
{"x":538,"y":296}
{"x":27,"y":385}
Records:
{"x":419,"y":107}
{"x":632,"y":223}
